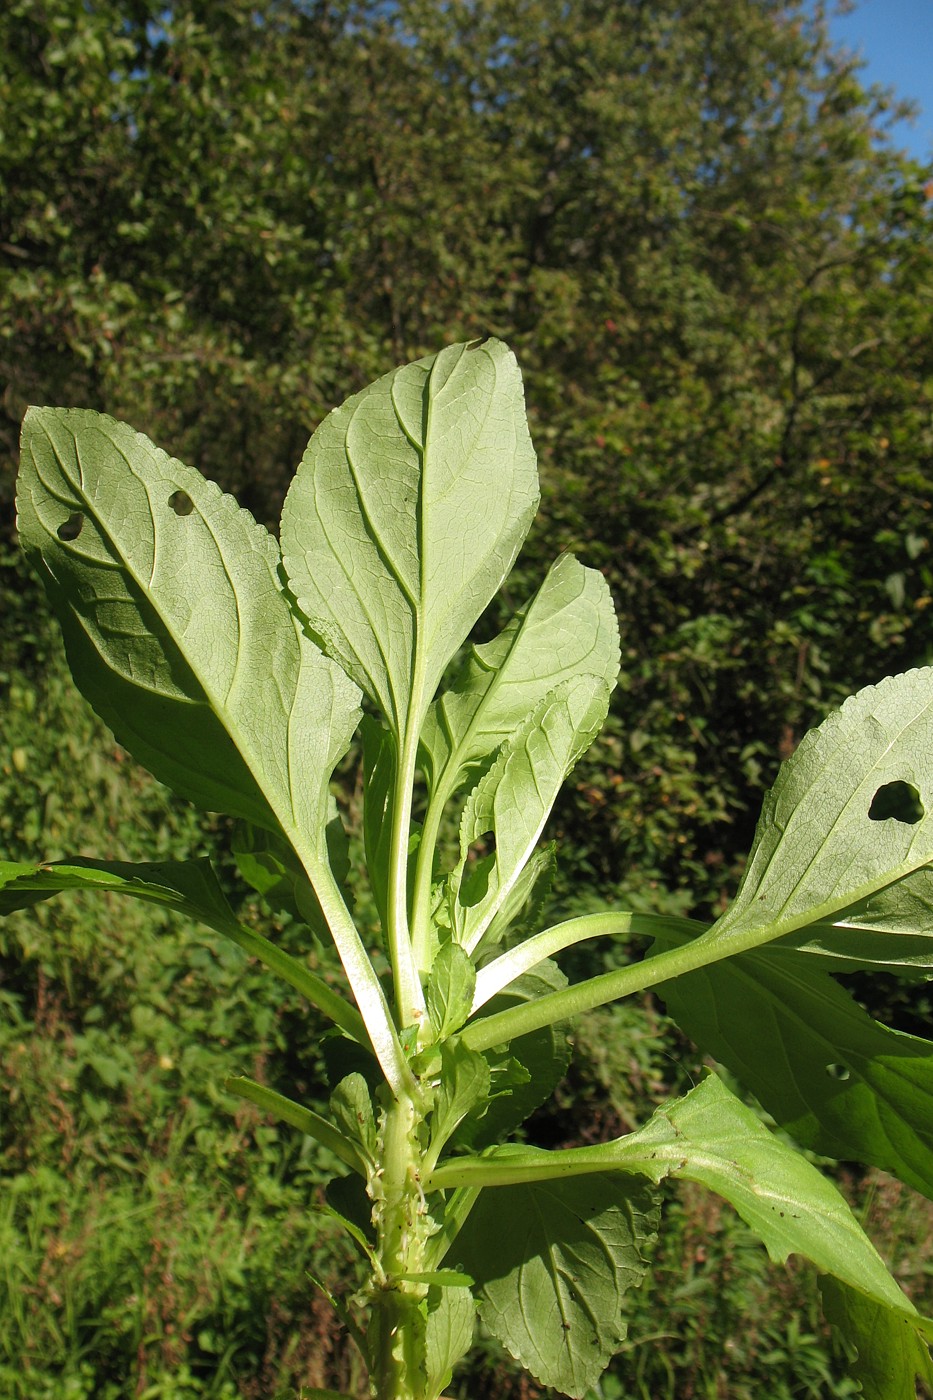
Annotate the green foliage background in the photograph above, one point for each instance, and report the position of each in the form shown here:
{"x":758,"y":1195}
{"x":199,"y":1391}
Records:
{"x":216,"y":221}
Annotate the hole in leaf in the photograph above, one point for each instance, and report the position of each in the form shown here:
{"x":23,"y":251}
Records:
{"x":181,"y":503}
{"x":898,"y":802}
{"x":841,"y":1072}
{"x":70,"y":529}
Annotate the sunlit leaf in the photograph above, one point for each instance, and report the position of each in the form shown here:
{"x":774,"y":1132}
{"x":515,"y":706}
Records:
{"x":388,"y":554}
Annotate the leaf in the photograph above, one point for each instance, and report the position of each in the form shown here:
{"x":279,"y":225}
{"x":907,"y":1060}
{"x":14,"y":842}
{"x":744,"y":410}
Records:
{"x":553,"y":1262}
{"x":514,"y":798}
{"x":522,"y":906}
{"x":405,"y":515}
{"x":711,"y":1138}
{"x":525,"y":1074}
{"x":569,"y":628}
{"x":304,"y":1119}
{"x":179,"y":634}
{"x":176,"y":628}
{"x":840,"y":1082}
{"x":449,"y":1331}
{"x":891,"y":1355}
{"x":352,"y":1110}
{"x":463,"y":1088}
{"x":824,"y":840}
{"x":891,"y":931}
{"x":449,"y":990}
{"x":188,"y":887}
{"x":267,"y":862}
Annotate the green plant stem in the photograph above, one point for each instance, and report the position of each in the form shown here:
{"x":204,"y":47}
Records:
{"x":367,"y":989}
{"x":484,"y":1033}
{"x":396,"y":1332}
{"x":409,"y":994}
{"x":498,"y":974}
{"x":421,"y":902}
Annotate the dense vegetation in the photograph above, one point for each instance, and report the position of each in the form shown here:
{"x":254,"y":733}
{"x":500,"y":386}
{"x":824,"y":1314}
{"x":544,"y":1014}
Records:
{"x":215,"y":221}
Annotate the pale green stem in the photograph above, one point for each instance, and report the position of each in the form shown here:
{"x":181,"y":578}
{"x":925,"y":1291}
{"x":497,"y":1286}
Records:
{"x":488,"y":1031}
{"x":497,"y":975}
{"x":421,"y":903}
{"x":395,"y":1331}
{"x":409,"y":994}
{"x":476,"y":1173}
{"x":366,"y":987}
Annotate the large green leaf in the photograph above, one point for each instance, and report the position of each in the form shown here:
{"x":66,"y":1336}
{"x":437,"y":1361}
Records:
{"x":176,"y":627}
{"x":405,"y":515}
{"x":850,"y":812}
{"x":180,"y":635}
{"x":839,"y":1081}
{"x":189,"y":887}
{"x":569,"y":628}
{"x":711,"y":1138}
{"x":553,"y":1262}
{"x":514,"y":798}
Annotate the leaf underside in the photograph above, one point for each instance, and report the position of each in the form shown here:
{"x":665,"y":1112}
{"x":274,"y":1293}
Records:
{"x":554,"y":1262}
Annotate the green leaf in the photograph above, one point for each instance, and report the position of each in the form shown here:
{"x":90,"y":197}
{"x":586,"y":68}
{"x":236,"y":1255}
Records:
{"x":352,"y":1110}
{"x":711,"y":1138}
{"x":304,"y":1119}
{"x":176,"y":627}
{"x":825,"y":838}
{"x":840,"y":1082}
{"x":553,"y":1262}
{"x":463,"y":1088}
{"x":568,"y":629}
{"x":268,"y":863}
{"x":449,"y":1332}
{"x":891,"y":931}
{"x":189,"y":887}
{"x":179,"y":634}
{"x":514,"y":798}
{"x":522,"y":906}
{"x":890,"y":1354}
{"x":449,"y":990}
{"x":408,"y":510}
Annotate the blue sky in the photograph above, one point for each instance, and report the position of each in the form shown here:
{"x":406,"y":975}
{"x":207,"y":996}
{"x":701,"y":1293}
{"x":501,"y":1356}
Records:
{"x":895,"y":37}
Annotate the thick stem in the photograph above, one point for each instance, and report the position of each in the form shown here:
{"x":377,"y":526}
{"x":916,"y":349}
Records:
{"x":398,"y":1354}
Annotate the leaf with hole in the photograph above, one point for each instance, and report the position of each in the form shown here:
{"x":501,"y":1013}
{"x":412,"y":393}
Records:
{"x":850,"y":813}
{"x":179,"y":634}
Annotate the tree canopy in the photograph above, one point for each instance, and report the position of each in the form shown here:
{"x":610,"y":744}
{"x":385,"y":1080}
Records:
{"x":685,"y":217}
